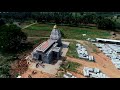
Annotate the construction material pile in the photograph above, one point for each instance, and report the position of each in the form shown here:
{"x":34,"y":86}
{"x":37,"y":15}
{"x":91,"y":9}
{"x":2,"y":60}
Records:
{"x":112,"y":51}
{"x":93,"y":73}
{"x":68,"y":75}
{"x":82,"y":53}
{"x":18,"y":67}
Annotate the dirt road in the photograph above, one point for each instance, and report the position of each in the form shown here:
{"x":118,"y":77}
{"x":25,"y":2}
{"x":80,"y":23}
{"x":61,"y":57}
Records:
{"x":37,"y":75}
{"x":102,"y":62}
{"x":115,"y":37}
{"x":28,"y":25}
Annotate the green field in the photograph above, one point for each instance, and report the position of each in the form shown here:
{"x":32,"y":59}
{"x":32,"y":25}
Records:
{"x":43,"y":30}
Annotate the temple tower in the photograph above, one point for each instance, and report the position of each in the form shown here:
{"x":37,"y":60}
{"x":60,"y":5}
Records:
{"x":56,"y":35}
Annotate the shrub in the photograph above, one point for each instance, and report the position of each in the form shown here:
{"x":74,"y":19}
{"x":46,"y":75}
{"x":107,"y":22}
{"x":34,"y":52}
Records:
{"x":105,"y":23}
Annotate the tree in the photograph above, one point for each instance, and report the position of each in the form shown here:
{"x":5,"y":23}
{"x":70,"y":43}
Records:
{"x":105,"y":23}
{"x":5,"y":71}
{"x":62,"y":34}
{"x":11,"y":37}
{"x":2,"y":22}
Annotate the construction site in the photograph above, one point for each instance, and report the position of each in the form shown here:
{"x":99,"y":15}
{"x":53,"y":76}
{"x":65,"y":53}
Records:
{"x":60,"y":45}
{"x":106,"y":58}
{"x":98,"y":58}
{"x":46,"y":58}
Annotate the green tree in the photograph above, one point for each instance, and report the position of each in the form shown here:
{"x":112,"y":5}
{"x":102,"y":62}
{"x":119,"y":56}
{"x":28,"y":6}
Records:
{"x":5,"y":71}
{"x":2,"y":22}
{"x":11,"y":38}
{"x":105,"y":23}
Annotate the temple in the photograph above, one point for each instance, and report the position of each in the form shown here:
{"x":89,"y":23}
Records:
{"x":49,"y":50}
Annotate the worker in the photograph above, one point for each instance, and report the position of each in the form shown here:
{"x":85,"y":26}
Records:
{"x":28,"y":63}
{"x":34,"y":72}
{"x":29,"y":76}
{"x":104,"y":66}
{"x":43,"y":66}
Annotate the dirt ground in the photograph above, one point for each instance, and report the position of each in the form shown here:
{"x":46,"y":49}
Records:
{"x":90,"y":47}
{"x":115,"y":37}
{"x":101,"y":61}
{"x":78,"y":75}
{"x":37,"y":75}
{"x":103,"y":64}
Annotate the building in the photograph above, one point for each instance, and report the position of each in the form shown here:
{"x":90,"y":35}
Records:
{"x":108,"y":41}
{"x":49,"y":50}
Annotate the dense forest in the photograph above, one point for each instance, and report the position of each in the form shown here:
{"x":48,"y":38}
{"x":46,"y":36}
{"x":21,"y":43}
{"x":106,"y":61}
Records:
{"x":103,"y":20}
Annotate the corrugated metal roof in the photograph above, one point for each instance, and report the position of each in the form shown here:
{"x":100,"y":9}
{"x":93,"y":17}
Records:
{"x":107,"y":40}
{"x":45,"y":45}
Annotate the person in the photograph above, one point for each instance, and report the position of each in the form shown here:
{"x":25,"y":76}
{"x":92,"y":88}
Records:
{"x":37,"y":65}
{"x":43,"y":66}
{"x":29,"y":76}
{"x":104,"y":66}
{"x":28,"y":63}
{"x":34,"y":72}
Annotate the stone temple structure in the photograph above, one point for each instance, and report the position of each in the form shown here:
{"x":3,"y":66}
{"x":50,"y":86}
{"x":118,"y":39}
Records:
{"x":49,"y":50}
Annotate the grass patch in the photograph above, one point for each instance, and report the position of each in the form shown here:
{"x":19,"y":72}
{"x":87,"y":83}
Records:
{"x":39,"y":27}
{"x":23,"y":24}
{"x":95,"y":51}
{"x":70,"y":66}
{"x":92,"y":47}
{"x":38,"y":33}
{"x":43,"y":30}
{"x":67,"y":66}
{"x":60,"y":74}
{"x":72,"y":52}
{"x":38,"y":41}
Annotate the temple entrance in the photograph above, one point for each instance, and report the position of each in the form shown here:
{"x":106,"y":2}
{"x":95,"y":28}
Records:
{"x":54,"y":55}
{"x":40,"y":57}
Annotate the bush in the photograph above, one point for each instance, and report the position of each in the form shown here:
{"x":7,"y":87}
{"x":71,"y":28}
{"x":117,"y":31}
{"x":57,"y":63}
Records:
{"x":62,"y":34}
{"x":4,"y":71}
{"x":2,"y":22}
{"x":117,"y":25}
{"x":72,"y":50}
{"x":105,"y":23}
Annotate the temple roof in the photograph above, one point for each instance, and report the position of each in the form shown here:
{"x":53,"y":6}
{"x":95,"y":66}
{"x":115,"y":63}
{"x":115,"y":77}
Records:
{"x":45,"y":45}
{"x":55,"y":33}
{"x":55,"y":27}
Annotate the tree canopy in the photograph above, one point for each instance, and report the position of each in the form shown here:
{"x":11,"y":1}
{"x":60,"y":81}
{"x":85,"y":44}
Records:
{"x":105,"y":23}
{"x":11,"y":37}
{"x":65,"y":18}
